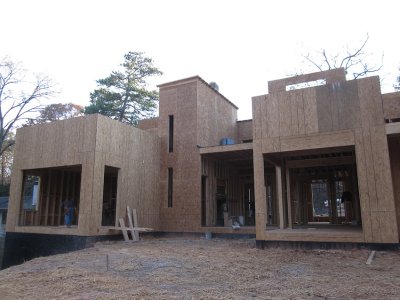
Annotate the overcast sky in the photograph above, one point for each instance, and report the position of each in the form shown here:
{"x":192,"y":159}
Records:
{"x":241,"y":45}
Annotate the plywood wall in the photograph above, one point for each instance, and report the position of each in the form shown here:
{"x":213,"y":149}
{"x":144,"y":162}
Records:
{"x":202,"y":117}
{"x":63,"y":143}
{"x":394,"y":152}
{"x":93,"y":142}
{"x":216,"y":117}
{"x":391,"y":106}
{"x":180,"y":101}
{"x":333,"y":115}
{"x":244,"y":130}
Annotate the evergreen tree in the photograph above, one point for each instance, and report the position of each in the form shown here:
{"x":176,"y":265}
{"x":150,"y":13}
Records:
{"x":123,"y":95}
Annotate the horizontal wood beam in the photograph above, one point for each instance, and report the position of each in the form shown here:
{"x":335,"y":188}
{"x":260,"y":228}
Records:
{"x":320,"y":162}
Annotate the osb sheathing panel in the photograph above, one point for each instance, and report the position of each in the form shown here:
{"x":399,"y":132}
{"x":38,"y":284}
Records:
{"x":373,"y":167}
{"x":331,"y":76}
{"x":136,"y":154}
{"x":148,"y":124}
{"x":62,"y":143}
{"x":394,"y":152}
{"x":337,"y":114}
{"x":181,"y":102}
{"x":244,"y":130}
{"x":391,"y":105}
{"x":287,"y":114}
{"x":202,"y":117}
{"x":216,"y":117}
{"x":338,"y":106}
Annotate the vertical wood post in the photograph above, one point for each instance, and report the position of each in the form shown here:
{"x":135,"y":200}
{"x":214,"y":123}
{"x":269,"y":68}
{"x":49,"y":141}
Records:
{"x":288,"y":198}
{"x":278,"y":172}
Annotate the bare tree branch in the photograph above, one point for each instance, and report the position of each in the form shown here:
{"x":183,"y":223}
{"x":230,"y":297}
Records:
{"x":354,"y":62}
{"x":18,"y":98}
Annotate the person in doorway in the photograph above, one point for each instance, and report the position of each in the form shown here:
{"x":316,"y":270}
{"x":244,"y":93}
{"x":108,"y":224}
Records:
{"x":68,"y":207}
{"x":347,"y":199}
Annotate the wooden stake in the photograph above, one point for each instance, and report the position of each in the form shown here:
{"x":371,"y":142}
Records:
{"x":135,"y":223}
{"x":124,"y":229}
{"x":131,"y":225}
{"x":371,"y":257}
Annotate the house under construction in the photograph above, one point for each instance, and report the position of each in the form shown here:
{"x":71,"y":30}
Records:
{"x":315,"y":164}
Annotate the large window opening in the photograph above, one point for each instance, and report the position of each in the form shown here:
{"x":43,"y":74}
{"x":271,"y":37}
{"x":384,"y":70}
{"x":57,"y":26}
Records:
{"x":228,"y":189}
{"x":110,"y":188}
{"x":46,"y":195}
{"x":318,"y":188}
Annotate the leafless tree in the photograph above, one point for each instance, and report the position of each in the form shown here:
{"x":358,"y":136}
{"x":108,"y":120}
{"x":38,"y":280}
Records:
{"x":55,"y":112}
{"x":19,"y":98}
{"x":353,"y":61}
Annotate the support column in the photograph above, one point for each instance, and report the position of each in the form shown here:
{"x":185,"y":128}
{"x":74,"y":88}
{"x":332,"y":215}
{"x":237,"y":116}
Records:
{"x":259,"y":192}
{"x":288,"y":198}
{"x":278,"y":175}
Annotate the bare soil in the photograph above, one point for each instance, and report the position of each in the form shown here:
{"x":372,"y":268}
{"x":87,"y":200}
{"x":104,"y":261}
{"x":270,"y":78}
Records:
{"x":203,"y":269}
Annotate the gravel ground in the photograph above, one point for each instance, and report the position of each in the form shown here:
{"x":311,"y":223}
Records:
{"x":203,"y":269}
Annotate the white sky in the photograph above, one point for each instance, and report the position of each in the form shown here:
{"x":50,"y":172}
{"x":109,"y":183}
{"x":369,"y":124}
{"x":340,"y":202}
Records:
{"x":241,"y":45}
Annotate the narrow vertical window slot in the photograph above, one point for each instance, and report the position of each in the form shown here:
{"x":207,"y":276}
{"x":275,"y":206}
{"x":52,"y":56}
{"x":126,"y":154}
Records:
{"x":170,"y":185}
{"x":171,"y":134}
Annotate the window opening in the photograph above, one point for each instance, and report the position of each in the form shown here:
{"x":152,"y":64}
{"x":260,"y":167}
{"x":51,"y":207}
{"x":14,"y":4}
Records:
{"x":320,"y":200}
{"x":170,"y":186}
{"x":46,"y":193}
{"x":110,"y":188}
{"x":171,"y":134}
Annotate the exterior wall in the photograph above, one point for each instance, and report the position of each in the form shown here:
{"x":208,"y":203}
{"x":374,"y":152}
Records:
{"x":93,"y":142}
{"x":341,"y":113}
{"x":244,"y":130}
{"x":391,"y":105}
{"x":216,"y":117}
{"x":150,"y":125}
{"x":136,"y":154}
{"x":181,"y":102}
{"x":202,"y":117}
{"x":63,"y":143}
{"x":394,"y":152}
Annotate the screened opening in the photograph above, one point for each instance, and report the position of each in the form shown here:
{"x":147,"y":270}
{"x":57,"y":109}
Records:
{"x":46,"y":193}
{"x":110,"y":188}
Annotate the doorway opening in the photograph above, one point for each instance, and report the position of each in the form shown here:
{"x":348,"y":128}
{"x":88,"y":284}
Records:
{"x":110,"y":188}
{"x":317,"y":187}
{"x":228,"y":189}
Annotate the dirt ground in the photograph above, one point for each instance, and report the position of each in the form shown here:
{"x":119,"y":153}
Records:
{"x":203,"y":269}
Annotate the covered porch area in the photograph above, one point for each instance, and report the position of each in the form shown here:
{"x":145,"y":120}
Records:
{"x":227,"y":189}
{"x":312,"y":195}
